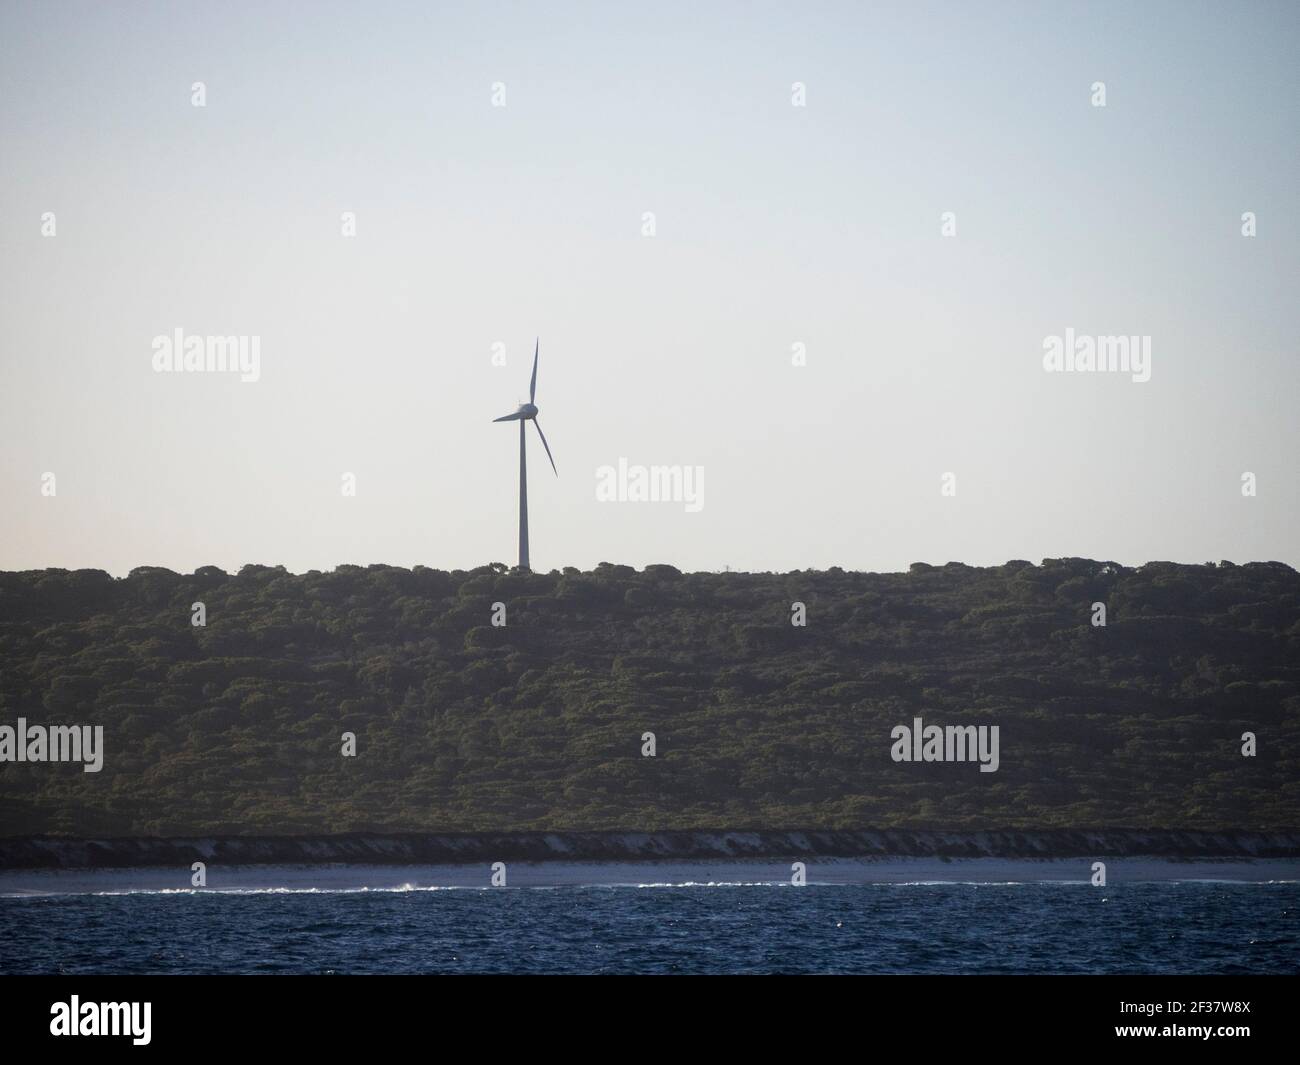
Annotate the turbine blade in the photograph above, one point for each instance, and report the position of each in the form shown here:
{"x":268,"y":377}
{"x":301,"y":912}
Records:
{"x":532,"y":388}
{"x":509,"y":417}
{"x":547,"y":446}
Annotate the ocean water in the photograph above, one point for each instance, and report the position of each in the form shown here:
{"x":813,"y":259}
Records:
{"x":687,"y":927}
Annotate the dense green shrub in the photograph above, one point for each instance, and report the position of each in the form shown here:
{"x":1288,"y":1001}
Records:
{"x":460,"y":725}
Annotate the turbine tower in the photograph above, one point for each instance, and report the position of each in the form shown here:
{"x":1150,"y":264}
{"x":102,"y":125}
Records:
{"x":527,"y":412}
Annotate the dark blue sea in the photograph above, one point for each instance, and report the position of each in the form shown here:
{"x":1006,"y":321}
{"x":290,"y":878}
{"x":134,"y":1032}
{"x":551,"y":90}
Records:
{"x":865,"y":928}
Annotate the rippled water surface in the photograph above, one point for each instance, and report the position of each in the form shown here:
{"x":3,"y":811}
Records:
{"x":756,"y":928}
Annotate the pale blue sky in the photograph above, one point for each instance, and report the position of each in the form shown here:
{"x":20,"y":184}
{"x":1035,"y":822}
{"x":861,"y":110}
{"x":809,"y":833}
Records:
{"x":775,"y":224}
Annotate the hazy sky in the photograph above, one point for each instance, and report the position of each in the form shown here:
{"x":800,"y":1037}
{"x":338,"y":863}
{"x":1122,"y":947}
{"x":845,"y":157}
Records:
{"x":775,"y":225}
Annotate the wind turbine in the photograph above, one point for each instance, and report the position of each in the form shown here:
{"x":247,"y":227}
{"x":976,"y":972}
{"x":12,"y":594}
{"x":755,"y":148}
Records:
{"x":527,"y":412}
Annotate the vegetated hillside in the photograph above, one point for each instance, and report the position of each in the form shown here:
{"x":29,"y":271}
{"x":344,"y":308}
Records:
{"x":235,"y":728}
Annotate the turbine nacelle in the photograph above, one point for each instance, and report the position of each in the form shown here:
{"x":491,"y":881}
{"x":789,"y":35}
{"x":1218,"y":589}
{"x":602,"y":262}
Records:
{"x":523,"y":413}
